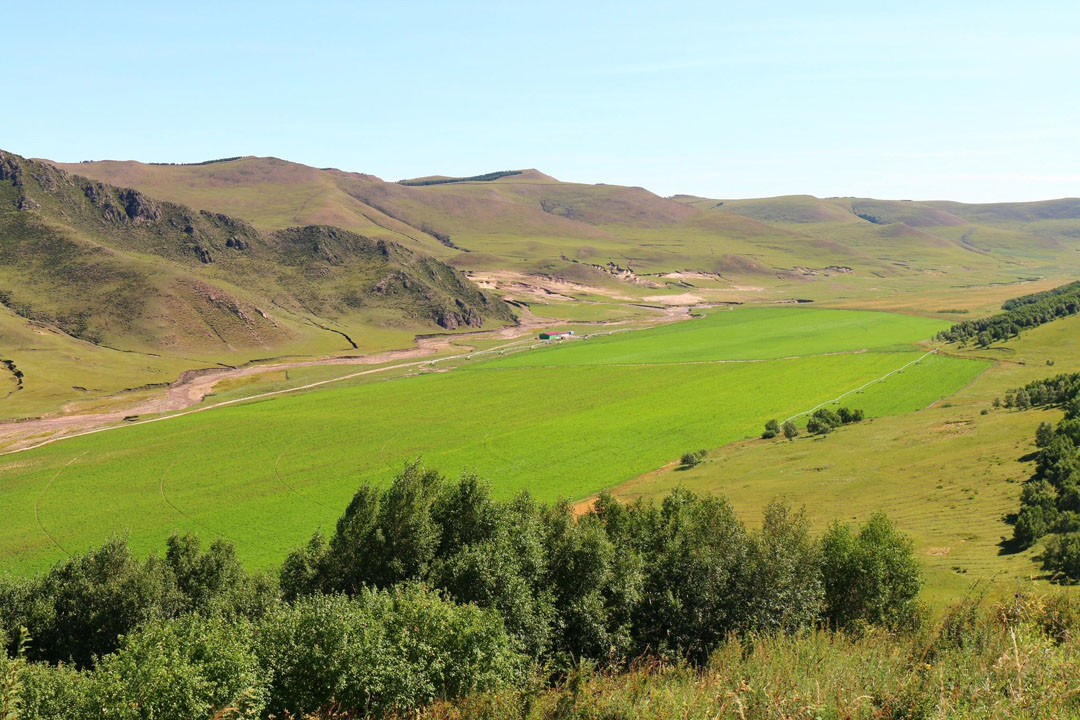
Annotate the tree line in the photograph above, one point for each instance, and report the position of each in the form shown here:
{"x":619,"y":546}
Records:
{"x":486,"y":177}
{"x":1019,"y":314}
{"x":432,"y":589}
{"x":821,"y":422}
{"x":1050,"y":500}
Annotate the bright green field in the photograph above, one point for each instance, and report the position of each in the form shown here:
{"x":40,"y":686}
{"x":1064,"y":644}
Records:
{"x":267,"y":473}
{"x":744,"y":334}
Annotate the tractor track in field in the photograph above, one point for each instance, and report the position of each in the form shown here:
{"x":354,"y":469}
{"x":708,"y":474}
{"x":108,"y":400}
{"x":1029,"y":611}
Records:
{"x":175,"y":507}
{"x":161,"y":490}
{"x":290,"y":488}
{"x":37,"y":503}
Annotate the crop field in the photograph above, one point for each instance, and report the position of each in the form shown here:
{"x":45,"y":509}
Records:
{"x":746,"y":334}
{"x":267,"y":473}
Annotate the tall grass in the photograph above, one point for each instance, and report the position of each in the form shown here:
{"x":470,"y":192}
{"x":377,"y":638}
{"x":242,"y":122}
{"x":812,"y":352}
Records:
{"x":1015,"y":660}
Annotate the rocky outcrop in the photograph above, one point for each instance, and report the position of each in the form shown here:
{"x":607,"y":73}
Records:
{"x":138,"y":207}
{"x":203,"y":254}
{"x":461,"y":316}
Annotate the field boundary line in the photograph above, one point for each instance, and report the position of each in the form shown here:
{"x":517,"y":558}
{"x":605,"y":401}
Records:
{"x":838,"y":398}
{"x":37,"y":501}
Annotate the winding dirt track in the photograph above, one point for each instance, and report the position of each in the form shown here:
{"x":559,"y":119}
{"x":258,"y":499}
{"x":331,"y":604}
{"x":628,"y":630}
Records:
{"x":189,"y":389}
{"x":194,"y":385}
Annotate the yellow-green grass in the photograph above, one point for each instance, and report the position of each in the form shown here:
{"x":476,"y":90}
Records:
{"x":58,"y":369}
{"x":589,"y":312}
{"x":267,"y":473}
{"x":62,"y":373}
{"x":947,"y":474}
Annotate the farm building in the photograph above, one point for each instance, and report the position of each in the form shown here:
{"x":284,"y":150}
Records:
{"x":556,"y":335}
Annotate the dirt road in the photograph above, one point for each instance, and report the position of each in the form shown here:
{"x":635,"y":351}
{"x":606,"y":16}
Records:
{"x":194,"y":385}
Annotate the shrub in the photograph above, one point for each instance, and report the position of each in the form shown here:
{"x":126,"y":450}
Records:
{"x":772,"y":429}
{"x":783,"y":588}
{"x":848,"y":416}
{"x":81,"y":607}
{"x":690,"y":459}
{"x":1062,"y":556}
{"x":790,"y":430}
{"x":53,"y":692}
{"x":192,"y":667}
{"x":871,"y":576}
{"x":381,"y":651}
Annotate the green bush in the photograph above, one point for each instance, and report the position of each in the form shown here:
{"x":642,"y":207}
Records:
{"x":871,"y":576}
{"x":55,"y":693}
{"x":772,"y":429}
{"x":381,"y":651}
{"x":192,"y":667}
{"x":1062,"y":555}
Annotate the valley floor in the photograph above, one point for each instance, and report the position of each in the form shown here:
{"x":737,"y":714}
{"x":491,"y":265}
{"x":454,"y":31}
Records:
{"x":567,"y":421}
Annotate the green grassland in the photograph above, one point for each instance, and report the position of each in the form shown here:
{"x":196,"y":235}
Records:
{"x":948,"y":474}
{"x":267,"y":473}
{"x":746,"y":334}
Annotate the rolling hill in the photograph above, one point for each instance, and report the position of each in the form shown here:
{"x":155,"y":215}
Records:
{"x":96,"y":268}
{"x":533,"y":224}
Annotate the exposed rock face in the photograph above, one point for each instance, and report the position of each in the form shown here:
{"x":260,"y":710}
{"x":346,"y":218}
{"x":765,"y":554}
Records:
{"x":391,"y":283}
{"x":10,"y":170}
{"x":462,"y":316}
{"x":236,"y":243}
{"x":138,"y":207}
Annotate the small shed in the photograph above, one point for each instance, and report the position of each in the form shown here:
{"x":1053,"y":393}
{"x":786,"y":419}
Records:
{"x":556,"y":335}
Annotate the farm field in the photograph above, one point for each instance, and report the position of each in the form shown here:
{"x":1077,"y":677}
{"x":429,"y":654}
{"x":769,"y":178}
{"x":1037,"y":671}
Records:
{"x":267,"y":473}
{"x":760,"y":333}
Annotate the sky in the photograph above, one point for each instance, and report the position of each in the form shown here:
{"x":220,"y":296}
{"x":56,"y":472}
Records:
{"x":970,"y":101}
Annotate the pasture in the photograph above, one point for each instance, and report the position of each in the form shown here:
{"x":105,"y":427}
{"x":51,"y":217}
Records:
{"x":948,"y":475}
{"x":753,"y":333}
{"x":267,"y":473}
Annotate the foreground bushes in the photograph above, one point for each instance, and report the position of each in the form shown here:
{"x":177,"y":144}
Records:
{"x":672,"y":578}
{"x":1008,"y":662}
{"x":432,"y":590}
{"x":381,"y":651}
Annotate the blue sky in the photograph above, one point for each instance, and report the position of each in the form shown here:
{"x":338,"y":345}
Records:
{"x":974,"y":101}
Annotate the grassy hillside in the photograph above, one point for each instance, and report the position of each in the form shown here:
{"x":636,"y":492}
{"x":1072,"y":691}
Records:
{"x":530,"y":223}
{"x":265,"y":473}
{"x":119,"y":270}
{"x":948,"y":474}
